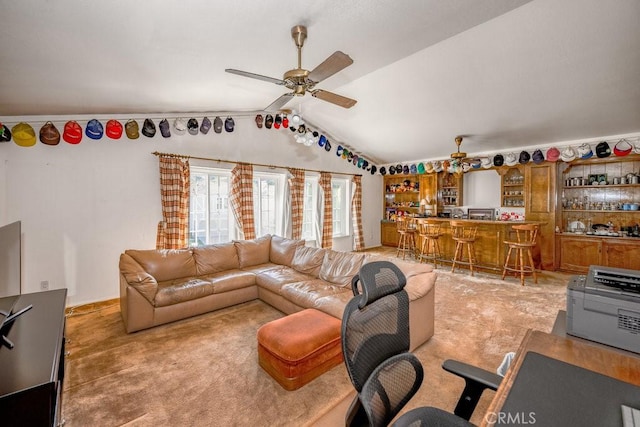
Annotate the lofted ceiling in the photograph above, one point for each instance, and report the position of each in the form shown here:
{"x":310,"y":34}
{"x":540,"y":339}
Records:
{"x":504,"y":73}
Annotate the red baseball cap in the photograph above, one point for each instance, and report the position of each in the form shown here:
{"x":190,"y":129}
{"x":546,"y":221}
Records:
{"x":72,"y":132}
{"x":622,"y":148}
{"x":114,"y":129}
{"x":553,"y":154}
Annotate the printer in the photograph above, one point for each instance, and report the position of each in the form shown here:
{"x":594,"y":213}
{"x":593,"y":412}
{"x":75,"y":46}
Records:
{"x":604,"y":306}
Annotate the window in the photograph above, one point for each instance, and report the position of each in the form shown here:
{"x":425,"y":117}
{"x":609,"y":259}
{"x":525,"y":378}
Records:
{"x":209,"y":216}
{"x":211,"y":221}
{"x":310,"y":212}
{"x":268,"y":203}
{"x":341,"y":207}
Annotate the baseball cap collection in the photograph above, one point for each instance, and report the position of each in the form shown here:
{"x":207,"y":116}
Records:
{"x":24,"y":135}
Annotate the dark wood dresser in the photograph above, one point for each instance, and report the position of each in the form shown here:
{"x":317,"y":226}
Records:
{"x":31,"y":373}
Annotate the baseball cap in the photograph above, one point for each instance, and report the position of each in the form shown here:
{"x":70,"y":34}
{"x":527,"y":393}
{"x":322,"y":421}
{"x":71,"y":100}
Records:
{"x":23,"y":134}
{"x":114,"y":129}
{"x":476,"y":163}
{"x":486,"y":162}
{"x":259,"y":121}
{"x":327,"y":146}
{"x":537,"y":156}
{"x":72,"y":132}
{"x":622,"y":148}
{"x":205,"y":126}
{"x":511,"y":159}
{"x":568,"y":154}
{"x":94,"y":129}
{"x":179,"y":126}
{"x":383,"y":170}
{"x":217,"y":124}
{"x":277,"y":122}
{"x":268,"y":121}
{"x":437,"y":166}
{"x":413,"y":168}
{"x":49,"y":135}
{"x":498,"y":160}
{"x":553,"y":154}
{"x":132,"y":129}
{"x":602,"y":149}
{"x":229,"y":124}
{"x":5,"y":133}
{"x":148,"y":128}
{"x":165,"y":128}
{"x":524,"y":157}
{"x":374,"y":168}
{"x":192,"y":126}
{"x":584,"y":151}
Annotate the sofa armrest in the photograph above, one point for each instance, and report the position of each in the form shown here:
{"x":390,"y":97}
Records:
{"x":136,"y":277}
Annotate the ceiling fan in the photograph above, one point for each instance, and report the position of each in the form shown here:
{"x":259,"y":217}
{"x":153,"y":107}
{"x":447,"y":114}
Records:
{"x":301,"y":81}
{"x":458,"y":155}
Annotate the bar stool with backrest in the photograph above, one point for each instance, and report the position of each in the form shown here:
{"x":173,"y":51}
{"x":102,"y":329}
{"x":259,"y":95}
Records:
{"x":526,"y":239}
{"x":464,"y":234}
{"x":407,"y":236}
{"x":430,"y":232}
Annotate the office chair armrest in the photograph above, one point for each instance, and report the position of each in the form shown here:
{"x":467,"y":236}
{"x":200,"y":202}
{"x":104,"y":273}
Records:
{"x":476,"y":381}
{"x":481,"y":376}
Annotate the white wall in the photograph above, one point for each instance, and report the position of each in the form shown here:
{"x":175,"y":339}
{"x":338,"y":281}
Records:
{"x":481,"y":189}
{"x":82,"y":205}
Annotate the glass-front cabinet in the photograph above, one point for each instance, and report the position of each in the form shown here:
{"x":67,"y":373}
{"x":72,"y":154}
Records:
{"x":599,"y":213}
{"x":513,"y":188}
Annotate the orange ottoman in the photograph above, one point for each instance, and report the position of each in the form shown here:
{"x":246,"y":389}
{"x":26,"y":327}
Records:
{"x":299,"y":347}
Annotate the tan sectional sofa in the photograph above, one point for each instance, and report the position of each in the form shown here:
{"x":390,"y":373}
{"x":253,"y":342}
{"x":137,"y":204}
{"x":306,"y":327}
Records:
{"x":161,"y":286}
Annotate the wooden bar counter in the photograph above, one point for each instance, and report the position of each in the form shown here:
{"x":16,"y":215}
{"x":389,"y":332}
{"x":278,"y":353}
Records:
{"x":490,"y":248}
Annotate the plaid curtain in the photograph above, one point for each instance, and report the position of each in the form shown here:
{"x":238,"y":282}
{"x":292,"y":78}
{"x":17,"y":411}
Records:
{"x":327,"y":215}
{"x":296,"y":190}
{"x":241,"y":199}
{"x":356,"y":213}
{"x":174,"y":194}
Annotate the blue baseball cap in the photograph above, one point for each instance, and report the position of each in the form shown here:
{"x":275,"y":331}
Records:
{"x":94,"y":129}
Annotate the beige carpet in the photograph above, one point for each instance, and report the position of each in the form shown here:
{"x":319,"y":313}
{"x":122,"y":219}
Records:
{"x":203,"y":371}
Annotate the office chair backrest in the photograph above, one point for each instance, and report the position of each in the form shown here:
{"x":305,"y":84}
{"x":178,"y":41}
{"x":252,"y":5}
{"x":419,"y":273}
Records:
{"x":375,"y":342}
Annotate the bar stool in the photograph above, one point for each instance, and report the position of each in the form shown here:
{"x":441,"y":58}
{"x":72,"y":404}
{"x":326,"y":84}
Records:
{"x":407,"y":231}
{"x":526,"y":238}
{"x":464,"y":233}
{"x":429,"y":231}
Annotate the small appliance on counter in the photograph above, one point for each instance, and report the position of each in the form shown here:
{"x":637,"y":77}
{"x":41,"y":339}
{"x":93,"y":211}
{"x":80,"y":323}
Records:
{"x":604,"y":306}
{"x":485,"y":214}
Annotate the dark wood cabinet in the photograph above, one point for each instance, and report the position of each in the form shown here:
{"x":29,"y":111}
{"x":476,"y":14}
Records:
{"x":32,"y":372}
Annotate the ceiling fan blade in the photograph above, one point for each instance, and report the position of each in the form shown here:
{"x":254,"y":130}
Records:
{"x":255,"y":76}
{"x":280,"y":102}
{"x":334,"y":63}
{"x":342,"y":101}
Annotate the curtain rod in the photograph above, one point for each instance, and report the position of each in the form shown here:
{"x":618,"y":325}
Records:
{"x":183,"y":156}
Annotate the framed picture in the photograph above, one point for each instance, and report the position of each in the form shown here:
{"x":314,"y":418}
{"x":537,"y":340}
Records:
{"x":594,"y":179}
{"x":602,"y":179}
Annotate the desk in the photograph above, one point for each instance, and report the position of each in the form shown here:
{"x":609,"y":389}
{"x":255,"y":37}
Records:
{"x":599,"y":360}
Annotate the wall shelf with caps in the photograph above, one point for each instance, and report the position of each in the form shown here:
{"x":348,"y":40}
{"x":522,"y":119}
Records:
{"x":402,"y":196}
{"x":600,"y":191}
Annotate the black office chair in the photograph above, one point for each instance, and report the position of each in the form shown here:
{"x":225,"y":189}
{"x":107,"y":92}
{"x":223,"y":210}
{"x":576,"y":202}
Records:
{"x":375,"y":346}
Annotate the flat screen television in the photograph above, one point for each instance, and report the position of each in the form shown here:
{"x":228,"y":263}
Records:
{"x":10,"y":259}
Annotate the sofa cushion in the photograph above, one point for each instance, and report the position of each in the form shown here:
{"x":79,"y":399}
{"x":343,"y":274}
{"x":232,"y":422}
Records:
{"x":283,"y":249}
{"x":230,"y":280}
{"x":179,"y":290}
{"x":306,"y":293}
{"x":165,"y":264}
{"x":253,"y":252}
{"x":308,"y":260}
{"x":340,"y":267}
{"x":275,"y":279}
{"x":214,"y":258}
